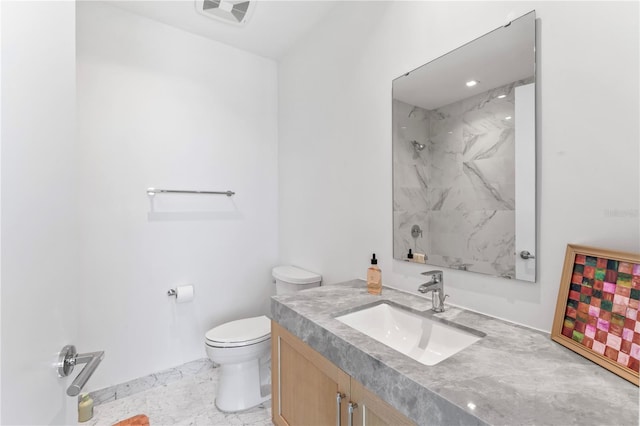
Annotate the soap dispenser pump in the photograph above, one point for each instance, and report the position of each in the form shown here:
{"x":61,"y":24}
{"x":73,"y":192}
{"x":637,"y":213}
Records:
{"x":374,"y":277}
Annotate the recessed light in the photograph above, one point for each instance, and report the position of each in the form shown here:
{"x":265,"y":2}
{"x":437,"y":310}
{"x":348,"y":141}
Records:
{"x":508,"y":117}
{"x":502,"y":96}
{"x":471,"y":83}
{"x":471,"y":406}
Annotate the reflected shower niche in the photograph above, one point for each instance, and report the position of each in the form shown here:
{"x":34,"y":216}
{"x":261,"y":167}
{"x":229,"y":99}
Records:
{"x":464,"y":156}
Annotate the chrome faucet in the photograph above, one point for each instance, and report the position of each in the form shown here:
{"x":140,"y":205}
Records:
{"x":436,"y":286}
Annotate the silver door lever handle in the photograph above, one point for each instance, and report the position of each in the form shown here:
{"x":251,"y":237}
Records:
{"x":69,"y":358}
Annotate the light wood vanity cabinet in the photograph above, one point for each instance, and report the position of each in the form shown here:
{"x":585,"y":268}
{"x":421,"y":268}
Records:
{"x":307,"y":389}
{"x":373,"y":411}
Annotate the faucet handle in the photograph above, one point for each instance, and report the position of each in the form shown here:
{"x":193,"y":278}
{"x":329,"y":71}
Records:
{"x":435,"y":272}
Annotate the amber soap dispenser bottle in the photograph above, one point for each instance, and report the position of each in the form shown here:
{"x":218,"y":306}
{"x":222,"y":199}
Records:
{"x":374,"y":277}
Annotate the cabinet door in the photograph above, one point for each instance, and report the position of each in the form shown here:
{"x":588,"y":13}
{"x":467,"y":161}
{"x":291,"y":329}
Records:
{"x":373,"y":411}
{"x":305,"y":385}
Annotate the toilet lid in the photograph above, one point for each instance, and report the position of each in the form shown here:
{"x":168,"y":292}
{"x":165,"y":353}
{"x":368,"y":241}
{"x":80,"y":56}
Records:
{"x":242,"y":332}
{"x":294,"y":275}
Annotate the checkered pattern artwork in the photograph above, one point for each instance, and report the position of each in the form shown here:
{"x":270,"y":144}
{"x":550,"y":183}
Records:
{"x":602,"y":310}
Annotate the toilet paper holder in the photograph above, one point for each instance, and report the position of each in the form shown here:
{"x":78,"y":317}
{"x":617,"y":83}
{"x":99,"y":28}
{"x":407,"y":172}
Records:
{"x":182,"y":294}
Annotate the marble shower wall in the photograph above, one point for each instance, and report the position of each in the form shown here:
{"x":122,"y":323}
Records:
{"x":410,"y":203}
{"x":460,"y":189}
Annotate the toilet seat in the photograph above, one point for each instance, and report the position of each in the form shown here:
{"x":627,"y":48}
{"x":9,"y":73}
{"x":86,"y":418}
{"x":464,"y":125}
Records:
{"x":244,"y":332}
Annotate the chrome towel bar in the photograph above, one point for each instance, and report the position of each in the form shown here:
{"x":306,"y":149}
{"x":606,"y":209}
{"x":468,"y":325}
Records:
{"x":154,"y":191}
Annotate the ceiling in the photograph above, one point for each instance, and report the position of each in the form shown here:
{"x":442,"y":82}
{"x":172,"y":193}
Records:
{"x":502,"y":56}
{"x":273,"y":28}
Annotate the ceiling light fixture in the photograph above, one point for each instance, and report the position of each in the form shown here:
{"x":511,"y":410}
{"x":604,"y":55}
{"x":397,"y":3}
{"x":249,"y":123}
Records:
{"x":502,"y":96}
{"x":508,"y":117}
{"x":471,"y":83}
{"x":235,"y":12}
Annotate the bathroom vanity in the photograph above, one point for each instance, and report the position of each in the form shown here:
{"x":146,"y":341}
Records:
{"x":308,"y":389}
{"x":512,"y":375}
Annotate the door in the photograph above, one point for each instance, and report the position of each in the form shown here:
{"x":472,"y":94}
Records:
{"x":39,"y":245}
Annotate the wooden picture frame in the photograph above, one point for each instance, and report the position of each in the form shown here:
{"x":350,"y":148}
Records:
{"x":597,"y":313}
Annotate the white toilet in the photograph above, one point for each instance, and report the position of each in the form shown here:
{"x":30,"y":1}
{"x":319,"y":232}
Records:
{"x":242,"y":348}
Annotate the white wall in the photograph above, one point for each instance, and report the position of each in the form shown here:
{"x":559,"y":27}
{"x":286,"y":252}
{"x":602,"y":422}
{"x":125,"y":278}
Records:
{"x":159,"y":107}
{"x":39,"y":212}
{"x":335,"y":139}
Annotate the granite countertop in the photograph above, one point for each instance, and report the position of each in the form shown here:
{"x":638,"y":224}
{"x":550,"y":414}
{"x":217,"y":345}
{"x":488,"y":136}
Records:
{"x":514,"y":375}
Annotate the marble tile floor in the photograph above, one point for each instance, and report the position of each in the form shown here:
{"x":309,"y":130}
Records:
{"x":187,"y":401}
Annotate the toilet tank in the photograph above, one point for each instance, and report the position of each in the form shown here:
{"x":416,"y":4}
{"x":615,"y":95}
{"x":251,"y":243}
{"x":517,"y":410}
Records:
{"x":290,"y":279}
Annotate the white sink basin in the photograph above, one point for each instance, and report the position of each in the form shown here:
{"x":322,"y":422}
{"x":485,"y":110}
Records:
{"x":428,"y":341}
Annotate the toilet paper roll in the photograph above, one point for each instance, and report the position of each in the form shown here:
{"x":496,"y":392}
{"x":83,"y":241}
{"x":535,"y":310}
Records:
{"x":184,"y":293}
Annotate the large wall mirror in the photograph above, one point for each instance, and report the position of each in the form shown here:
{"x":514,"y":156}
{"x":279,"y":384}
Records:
{"x":464,"y":157}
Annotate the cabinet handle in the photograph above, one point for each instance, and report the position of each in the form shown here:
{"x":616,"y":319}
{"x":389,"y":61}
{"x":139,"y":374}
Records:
{"x":339,"y":397}
{"x":352,"y":406}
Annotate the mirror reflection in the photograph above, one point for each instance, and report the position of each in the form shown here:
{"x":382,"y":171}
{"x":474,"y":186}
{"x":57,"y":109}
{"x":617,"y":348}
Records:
{"x":464,"y":156}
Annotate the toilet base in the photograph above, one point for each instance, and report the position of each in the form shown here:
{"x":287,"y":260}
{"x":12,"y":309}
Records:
{"x":267,"y":399}
{"x":243,"y":385}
